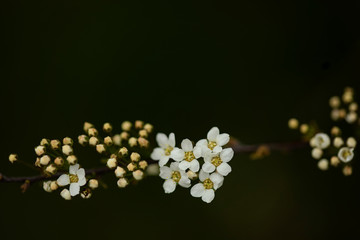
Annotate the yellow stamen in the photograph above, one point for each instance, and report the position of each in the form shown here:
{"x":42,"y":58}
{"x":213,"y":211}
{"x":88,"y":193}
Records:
{"x":216,"y":161}
{"x":212,"y":145}
{"x":176,"y":176}
{"x":208,"y":184}
{"x":168,"y":150}
{"x":73,"y":178}
{"x":189,"y":156}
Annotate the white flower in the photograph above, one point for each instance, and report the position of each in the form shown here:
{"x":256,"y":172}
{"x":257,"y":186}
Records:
{"x":173,"y":175}
{"x":206,"y":188}
{"x":187,"y":156}
{"x":346,"y":154}
{"x":47,"y":186}
{"x":320,"y":140}
{"x":218,"y":162}
{"x":214,"y":141}
{"x":167,"y":145}
{"x":76,"y":179}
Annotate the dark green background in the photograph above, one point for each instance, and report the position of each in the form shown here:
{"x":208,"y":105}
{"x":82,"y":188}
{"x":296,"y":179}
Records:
{"x":185,"y":66}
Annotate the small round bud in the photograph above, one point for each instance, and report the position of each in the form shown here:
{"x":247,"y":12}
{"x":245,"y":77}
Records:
{"x":131,"y":167}
{"x":120,"y":172}
{"x":122,"y":182}
{"x":37,"y":162}
{"x":93,"y":132}
{"x":135,"y":157}
{"x":143,"y":133}
{"x":45,"y":160}
{"x":191,"y":175}
{"x":335,"y":114}
{"x":111,"y":163}
{"x":86,"y":194}
{"x":72,"y":159}
{"x":68,"y":141}
{"x":293,"y":123}
{"x":143,"y":142}
{"x":13,"y":158}
{"x":124,"y":135}
{"x":65,"y":194}
{"x":87,"y":126}
{"x":348,"y":97}
{"x":67,"y":149}
{"x":59,"y":161}
{"x":107,"y":127}
{"x":342,"y":113}
{"x":335,"y":131}
{"x":47,"y":186}
{"x":117,"y":139}
{"x":54,"y":186}
{"x":40,"y":150}
{"x":148,"y":127}
{"x":323,"y":164}
{"x":351,"y":142}
{"x":51,"y":169}
{"x":351,"y":117}
{"x":153,"y":170}
{"x":139,"y":124}
{"x":138,"y":175}
{"x":353,"y":107}
{"x":347,"y":170}
{"x":334,"y":102}
{"x":338,"y":142}
{"x":93,"y":183}
{"x":93,"y":141}
{"x":126,"y":126}
{"x":316,"y":153}
{"x":44,"y":142}
{"x":83,"y":140}
{"x":143,"y":164}
{"x":55,"y":144}
{"x":304,"y":128}
{"x":334,"y":161}
{"x":100,"y":148}
{"x":108,"y":141}
{"x":132,"y":142}
{"x":123,"y":151}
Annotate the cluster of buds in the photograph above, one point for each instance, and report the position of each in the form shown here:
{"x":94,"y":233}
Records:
{"x":333,"y":149}
{"x":123,"y":152}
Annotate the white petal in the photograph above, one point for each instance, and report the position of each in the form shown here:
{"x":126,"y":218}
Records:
{"x":184,"y":165}
{"x":195,"y":166}
{"x":203,"y":175}
{"x":187,"y":145}
{"x":74,"y":189}
{"x":227,"y":154}
{"x":172,"y":140}
{"x":197,"y":190}
{"x":208,"y":167}
{"x":177,"y":154}
{"x":224,"y":169}
{"x":73,"y":169}
{"x":208,"y":196}
{"x":63,"y":180}
{"x":82,"y":181}
{"x":217,"y":149}
{"x":157,"y":154}
{"x":162,"y":140}
{"x":212,"y":134}
{"x":222,"y":139}
{"x":80,"y":173}
{"x":163,"y":160}
{"x":197,"y":151}
{"x":165,"y":172}
{"x":185,"y":182}
{"x":169,"y":186}
{"x":216,"y":178}
{"x":174,"y":166}
{"x":202,"y":143}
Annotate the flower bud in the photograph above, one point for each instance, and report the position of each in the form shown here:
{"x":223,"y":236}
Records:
{"x":135,"y":157}
{"x":191,"y":175}
{"x":351,"y":117}
{"x":334,"y":161}
{"x":335,"y":131}
{"x":40,"y":150}
{"x":68,"y":141}
{"x":37,"y":162}
{"x":93,"y":183}
{"x":139,"y":124}
{"x":51,"y":169}
{"x":122,"y":182}
{"x":59,"y":161}
{"x":55,"y":144}
{"x":348,"y":97}
{"x":111,"y":163}
{"x":44,"y":142}
{"x":143,"y":133}
{"x":117,"y":139}
{"x":323,"y":164}
{"x":351,"y":142}
{"x":45,"y":160}
{"x":335,"y":114}
{"x":120,"y":172}
{"x":124,"y":135}
{"x":47,"y":186}
{"x":108,"y":141}
{"x":132,"y":142}
{"x":13,"y":158}
{"x":148,"y":127}
{"x":93,"y":141}
{"x":67,"y":150}
{"x":87,"y":126}
{"x":347,"y":170}
{"x":54,"y":186}
{"x":353,"y":107}
{"x":123,"y":151}
{"x":293,"y":123}
{"x":83,"y":140}
{"x":338,"y":142}
{"x":65,"y":194}
{"x":153,"y":170}
{"x":131,"y":167}
{"x":342,"y":113}
{"x":93,"y":132}
{"x":138,"y":175}
{"x":334,"y":102}
{"x":317,"y":153}
{"x":107,"y":127}
{"x":72,"y":159}
{"x":143,"y":142}
{"x":100,"y":148}
{"x":143,"y":164}
{"x":304,"y":128}
{"x":86,"y":194}
{"x":126,"y":126}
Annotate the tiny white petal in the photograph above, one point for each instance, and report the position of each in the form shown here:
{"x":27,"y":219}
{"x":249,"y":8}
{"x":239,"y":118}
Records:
{"x":212,"y":134}
{"x":74,"y":189}
{"x":157,"y":154}
{"x":208,"y":167}
{"x":174,"y":166}
{"x":216,"y":178}
{"x":227,"y":154}
{"x":73,"y":169}
{"x":63,"y":180}
{"x":163,"y":160}
{"x":197,"y":151}
{"x":224,"y":169}
{"x":185,"y":182}
{"x":177,"y":154}
{"x":169,"y":186}
{"x":162,"y":140}
{"x":217,"y":149}
{"x":194,"y":165}
{"x":184,"y":165}
{"x":82,"y":181}
{"x":202,"y":143}
{"x":197,"y":190}
{"x":222,"y":139}
{"x":187,"y":145}
{"x":165,"y":172}
{"x":203,"y":175}
{"x":80,"y":173}
{"x":208,"y":196}
{"x":172,"y":140}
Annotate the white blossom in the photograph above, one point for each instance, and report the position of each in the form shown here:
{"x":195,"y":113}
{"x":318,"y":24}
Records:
{"x":218,"y":162}
{"x":206,"y":188}
{"x":173,"y":175}
{"x":187,"y":155}
{"x":214,"y":142}
{"x":166,"y":146}
{"x":320,"y":140}
{"x":346,"y":154}
{"x":76,"y":179}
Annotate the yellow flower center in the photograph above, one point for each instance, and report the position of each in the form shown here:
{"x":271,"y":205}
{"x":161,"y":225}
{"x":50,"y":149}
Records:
{"x":346,"y":153}
{"x":189,"y":156}
{"x":73,"y":178}
{"x":168,"y":150}
{"x":176,"y":176}
{"x":216,"y":161}
{"x":212,"y":145}
{"x":208,"y":184}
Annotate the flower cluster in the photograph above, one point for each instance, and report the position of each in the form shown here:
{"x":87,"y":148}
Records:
{"x":334,"y":146}
{"x":205,"y":163}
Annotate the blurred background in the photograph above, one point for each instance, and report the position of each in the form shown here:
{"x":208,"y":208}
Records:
{"x":185,"y":66}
